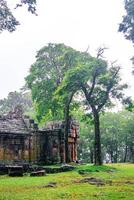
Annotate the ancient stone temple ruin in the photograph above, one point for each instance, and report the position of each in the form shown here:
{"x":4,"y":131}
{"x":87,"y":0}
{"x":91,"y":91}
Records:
{"x":22,"y":141}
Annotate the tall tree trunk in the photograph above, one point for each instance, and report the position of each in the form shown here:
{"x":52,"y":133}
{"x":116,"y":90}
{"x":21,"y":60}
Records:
{"x":111,"y":156}
{"x":126,"y":150}
{"x":116,"y":154}
{"x":97,"y":147}
{"x":67,"y":123}
{"x":125,"y":155}
{"x":91,"y":156}
{"x":131,"y":154}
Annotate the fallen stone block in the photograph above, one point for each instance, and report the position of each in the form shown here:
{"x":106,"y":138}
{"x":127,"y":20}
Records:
{"x":38,"y":173}
{"x":93,"y":181}
{"x":15,"y":171}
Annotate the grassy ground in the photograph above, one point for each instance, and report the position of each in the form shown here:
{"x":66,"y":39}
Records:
{"x":118,"y":179}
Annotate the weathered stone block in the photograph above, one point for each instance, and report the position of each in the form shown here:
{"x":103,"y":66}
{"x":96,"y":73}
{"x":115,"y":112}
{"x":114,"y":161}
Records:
{"x":38,"y":173}
{"x":15,"y":171}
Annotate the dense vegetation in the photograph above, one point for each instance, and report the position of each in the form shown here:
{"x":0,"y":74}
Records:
{"x":116,"y":134}
{"x":15,"y":98}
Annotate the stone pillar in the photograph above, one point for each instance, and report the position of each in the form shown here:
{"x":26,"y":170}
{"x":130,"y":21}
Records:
{"x":1,"y":148}
{"x":75,"y":151}
{"x":29,"y":148}
{"x":62,"y":151}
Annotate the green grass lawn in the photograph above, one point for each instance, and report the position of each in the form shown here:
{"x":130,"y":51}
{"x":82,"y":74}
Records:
{"x":118,"y":178}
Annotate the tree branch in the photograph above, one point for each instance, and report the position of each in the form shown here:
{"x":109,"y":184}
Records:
{"x":93,"y":84}
{"x":100,"y":52}
{"x":85,"y":91}
{"x":109,"y":87}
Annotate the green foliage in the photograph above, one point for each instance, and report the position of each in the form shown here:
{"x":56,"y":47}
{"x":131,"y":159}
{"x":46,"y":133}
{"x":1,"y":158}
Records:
{"x":96,"y":79}
{"x":117,"y":136}
{"x":127,"y":24}
{"x":7,"y":20}
{"x":16,"y":98}
{"x":129,"y":105}
{"x":45,"y":77}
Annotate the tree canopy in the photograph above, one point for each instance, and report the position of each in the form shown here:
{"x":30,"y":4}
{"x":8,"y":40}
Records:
{"x":46,"y":74}
{"x":100,"y":83}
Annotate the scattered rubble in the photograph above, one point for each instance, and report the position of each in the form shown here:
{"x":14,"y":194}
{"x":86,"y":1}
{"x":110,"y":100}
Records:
{"x":49,"y":185}
{"x":93,"y":181}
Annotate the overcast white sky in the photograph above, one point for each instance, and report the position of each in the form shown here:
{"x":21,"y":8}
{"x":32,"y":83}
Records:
{"x":77,"y":23}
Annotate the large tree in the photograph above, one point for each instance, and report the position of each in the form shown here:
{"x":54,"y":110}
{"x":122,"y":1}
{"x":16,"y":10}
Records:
{"x":100,"y":83}
{"x":46,"y":75}
{"x":7,"y":19}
